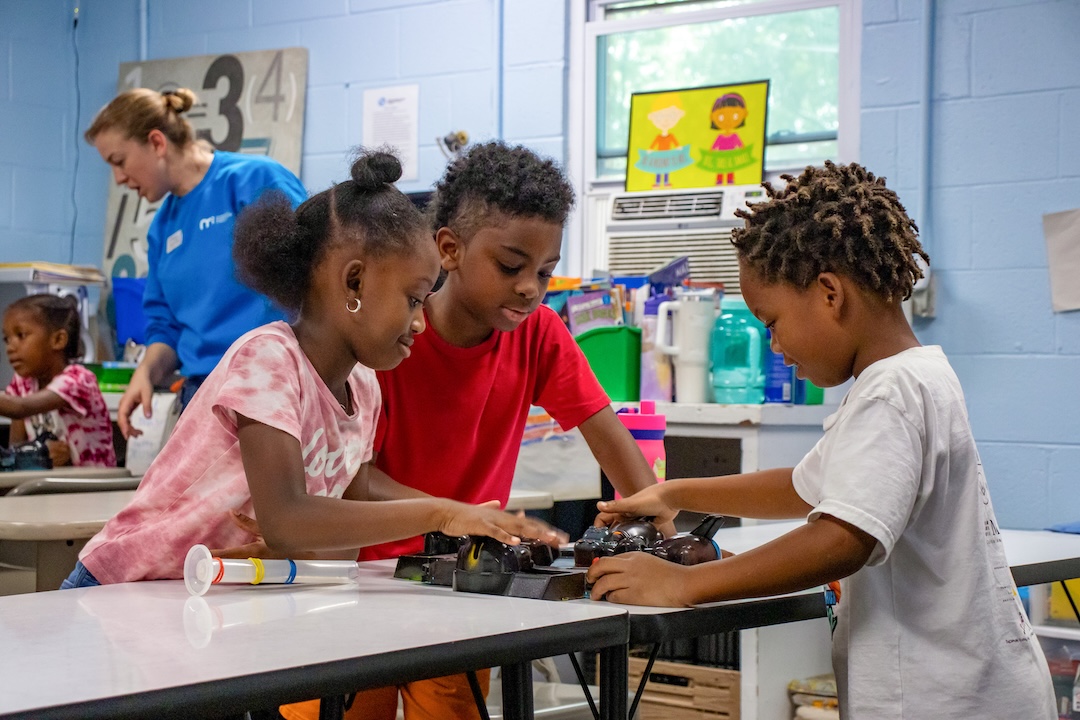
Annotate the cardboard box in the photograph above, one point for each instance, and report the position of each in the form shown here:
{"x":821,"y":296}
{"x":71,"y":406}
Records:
{"x":678,"y":691}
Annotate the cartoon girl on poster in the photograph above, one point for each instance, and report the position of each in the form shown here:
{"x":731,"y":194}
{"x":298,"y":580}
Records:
{"x":727,"y":153}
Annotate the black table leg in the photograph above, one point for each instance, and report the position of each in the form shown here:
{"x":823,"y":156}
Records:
{"x":517,"y":691}
{"x":614,"y":669}
{"x":332,"y":708}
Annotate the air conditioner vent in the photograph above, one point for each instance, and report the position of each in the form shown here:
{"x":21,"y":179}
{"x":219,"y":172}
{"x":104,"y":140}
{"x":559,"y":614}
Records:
{"x":667,"y":206}
{"x":712,"y":256}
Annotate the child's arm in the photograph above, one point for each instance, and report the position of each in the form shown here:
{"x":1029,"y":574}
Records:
{"x":819,"y":552}
{"x":371,"y":483}
{"x":766,"y":494}
{"x":24,"y":406}
{"x":293,"y":521}
{"x":17,"y":434}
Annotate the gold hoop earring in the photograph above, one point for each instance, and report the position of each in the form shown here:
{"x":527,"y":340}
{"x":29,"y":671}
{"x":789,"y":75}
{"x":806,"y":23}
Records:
{"x":350,"y":308}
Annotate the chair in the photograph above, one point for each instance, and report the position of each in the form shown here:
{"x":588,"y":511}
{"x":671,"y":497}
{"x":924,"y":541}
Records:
{"x":49,"y":485}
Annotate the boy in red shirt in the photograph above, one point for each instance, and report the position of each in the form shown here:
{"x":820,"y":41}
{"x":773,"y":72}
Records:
{"x":454,"y":413}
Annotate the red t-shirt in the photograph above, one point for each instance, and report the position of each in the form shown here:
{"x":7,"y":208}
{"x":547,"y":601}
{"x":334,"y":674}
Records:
{"x":452,"y":418}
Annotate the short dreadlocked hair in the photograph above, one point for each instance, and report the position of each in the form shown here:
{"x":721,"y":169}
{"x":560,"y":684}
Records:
{"x":495,"y":178}
{"x":837,"y":218}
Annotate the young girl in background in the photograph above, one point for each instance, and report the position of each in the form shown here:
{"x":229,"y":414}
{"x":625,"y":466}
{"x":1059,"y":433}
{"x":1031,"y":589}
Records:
{"x":284,"y":424}
{"x":929,"y":624}
{"x":50,"y":392}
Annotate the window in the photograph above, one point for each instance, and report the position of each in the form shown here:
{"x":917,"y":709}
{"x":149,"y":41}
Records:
{"x":799,"y":45}
{"x":808,"y":49}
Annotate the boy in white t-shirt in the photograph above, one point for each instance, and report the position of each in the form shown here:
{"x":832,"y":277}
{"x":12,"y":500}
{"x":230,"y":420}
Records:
{"x":930,"y":624}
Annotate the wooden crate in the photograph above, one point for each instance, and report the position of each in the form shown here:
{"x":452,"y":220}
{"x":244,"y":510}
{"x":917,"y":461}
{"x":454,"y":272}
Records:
{"x":677,"y":691}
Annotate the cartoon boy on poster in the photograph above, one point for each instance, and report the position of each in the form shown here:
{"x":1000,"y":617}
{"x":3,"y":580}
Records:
{"x":665,"y":155}
{"x":726,"y":149}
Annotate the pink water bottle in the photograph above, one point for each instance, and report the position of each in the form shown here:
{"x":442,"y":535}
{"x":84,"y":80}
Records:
{"x":648,"y":430}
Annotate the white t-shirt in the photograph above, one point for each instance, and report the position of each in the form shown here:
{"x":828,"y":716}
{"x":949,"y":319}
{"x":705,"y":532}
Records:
{"x":931,"y":626}
{"x":187,"y":492}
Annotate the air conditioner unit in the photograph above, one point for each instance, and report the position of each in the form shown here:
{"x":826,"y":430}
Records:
{"x":646,"y":229}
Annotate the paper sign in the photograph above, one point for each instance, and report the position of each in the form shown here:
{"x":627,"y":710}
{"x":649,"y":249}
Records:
{"x":392,"y":117}
{"x":1062,"y":233}
{"x":142,"y":450}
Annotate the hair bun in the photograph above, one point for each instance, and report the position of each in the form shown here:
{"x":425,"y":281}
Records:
{"x":373,"y":169}
{"x":179,"y":100}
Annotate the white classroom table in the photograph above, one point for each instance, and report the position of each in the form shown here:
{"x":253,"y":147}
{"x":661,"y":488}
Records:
{"x":46,"y":532}
{"x":1034,"y":557}
{"x":17,"y":477}
{"x":149,"y":649}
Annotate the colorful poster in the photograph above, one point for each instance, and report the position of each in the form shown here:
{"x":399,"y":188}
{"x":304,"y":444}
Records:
{"x":697,"y":137}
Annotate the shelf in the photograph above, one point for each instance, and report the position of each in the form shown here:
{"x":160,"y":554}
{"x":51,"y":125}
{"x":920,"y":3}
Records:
{"x":719,"y":414}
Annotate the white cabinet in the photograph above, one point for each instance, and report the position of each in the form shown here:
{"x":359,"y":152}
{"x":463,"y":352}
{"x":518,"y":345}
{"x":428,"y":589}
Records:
{"x":768,"y":436}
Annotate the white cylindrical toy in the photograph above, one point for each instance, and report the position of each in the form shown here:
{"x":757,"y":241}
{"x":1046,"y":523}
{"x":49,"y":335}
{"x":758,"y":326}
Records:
{"x":202,"y":569}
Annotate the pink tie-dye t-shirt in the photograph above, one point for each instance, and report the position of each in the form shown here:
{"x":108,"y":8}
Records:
{"x":83,"y":423}
{"x":186,"y":495}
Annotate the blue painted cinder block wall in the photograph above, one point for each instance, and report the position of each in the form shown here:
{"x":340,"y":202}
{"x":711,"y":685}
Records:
{"x":1004,"y":138}
{"x":1005,"y":149}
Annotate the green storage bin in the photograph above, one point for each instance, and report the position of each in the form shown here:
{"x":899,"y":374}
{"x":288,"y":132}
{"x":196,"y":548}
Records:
{"x":614,"y":354}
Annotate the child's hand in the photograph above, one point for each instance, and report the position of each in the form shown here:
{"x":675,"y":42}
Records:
{"x":59,"y":452}
{"x":644,"y":503}
{"x":637,"y":578}
{"x":488,"y":520}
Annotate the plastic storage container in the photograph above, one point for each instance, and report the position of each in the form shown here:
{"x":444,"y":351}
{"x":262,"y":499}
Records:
{"x":655,"y":364}
{"x":127,"y":299}
{"x":614,"y":354}
{"x":779,"y":378}
{"x":807,"y":393}
{"x":648,"y":430}
{"x":112,"y":376}
{"x":736,"y":351}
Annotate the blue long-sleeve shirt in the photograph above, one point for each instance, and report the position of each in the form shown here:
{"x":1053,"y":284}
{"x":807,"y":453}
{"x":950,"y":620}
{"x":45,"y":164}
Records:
{"x":193,"y":302}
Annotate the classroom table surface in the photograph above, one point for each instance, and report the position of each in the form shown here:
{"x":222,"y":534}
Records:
{"x":1034,"y":557}
{"x":150,"y":649}
{"x":60,"y":516}
{"x":17,"y":477}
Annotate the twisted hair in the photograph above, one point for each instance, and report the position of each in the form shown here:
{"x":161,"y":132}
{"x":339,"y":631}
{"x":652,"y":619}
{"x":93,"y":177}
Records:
{"x":56,"y":313}
{"x":497,"y":178}
{"x":138,"y":111}
{"x":836,"y":218}
{"x":276,"y":248}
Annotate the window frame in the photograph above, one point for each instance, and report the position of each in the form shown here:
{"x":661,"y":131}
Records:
{"x":588,"y":24}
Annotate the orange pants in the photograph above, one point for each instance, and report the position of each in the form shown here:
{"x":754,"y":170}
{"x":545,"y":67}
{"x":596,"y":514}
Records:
{"x":445,"y":698}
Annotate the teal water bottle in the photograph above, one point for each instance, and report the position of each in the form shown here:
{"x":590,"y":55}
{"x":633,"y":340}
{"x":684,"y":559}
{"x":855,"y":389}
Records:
{"x":736,"y":351}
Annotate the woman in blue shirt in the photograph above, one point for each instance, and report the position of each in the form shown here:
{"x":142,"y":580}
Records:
{"x":194,"y":306}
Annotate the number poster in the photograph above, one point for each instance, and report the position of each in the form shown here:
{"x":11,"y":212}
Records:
{"x":251,"y":102}
{"x":698,"y":137}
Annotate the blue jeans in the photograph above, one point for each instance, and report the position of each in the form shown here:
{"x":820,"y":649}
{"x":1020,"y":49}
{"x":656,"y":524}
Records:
{"x":79,"y":577}
{"x":187,"y":390}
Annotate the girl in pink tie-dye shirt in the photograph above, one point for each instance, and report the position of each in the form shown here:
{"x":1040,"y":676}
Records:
{"x":49,"y":392}
{"x":282,"y":428}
